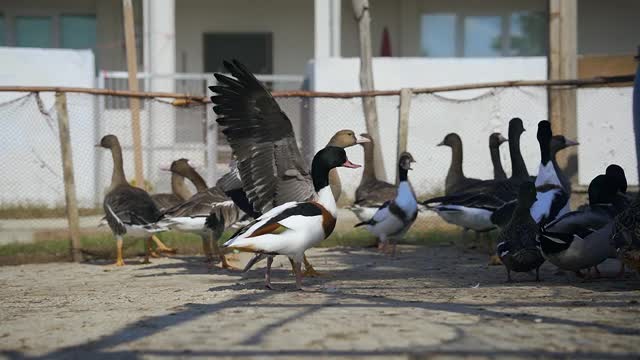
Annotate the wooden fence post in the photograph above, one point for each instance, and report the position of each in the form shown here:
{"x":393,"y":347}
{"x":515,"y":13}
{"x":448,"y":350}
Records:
{"x":69,"y":182}
{"x":361,"y":12}
{"x":134,"y":103}
{"x":403,"y":122}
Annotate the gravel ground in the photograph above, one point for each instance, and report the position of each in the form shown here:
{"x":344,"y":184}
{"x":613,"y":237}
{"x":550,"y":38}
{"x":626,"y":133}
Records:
{"x":430,"y":302}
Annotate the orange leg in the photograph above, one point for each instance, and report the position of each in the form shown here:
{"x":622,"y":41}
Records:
{"x":119,"y":259}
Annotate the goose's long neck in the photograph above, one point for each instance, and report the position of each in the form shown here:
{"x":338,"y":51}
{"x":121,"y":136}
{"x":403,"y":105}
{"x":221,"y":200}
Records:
{"x":369,"y":172}
{"x":178,"y":187}
{"x":519,"y":169}
{"x":117,"y":177}
{"x":498,"y":171}
{"x":456,"y":161}
{"x":197,"y":180}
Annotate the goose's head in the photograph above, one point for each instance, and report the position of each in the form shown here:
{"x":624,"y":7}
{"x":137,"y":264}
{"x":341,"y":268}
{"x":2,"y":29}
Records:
{"x":181,"y":167}
{"x":496,"y":139}
{"x":516,"y":128}
{"x":559,"y":142}
{"x":617,"y":174}
{"x":405,"y":161}
{"x":451,"y":140}
{"x":346,"y":138}
{"x":109,"y":142}
{"x":365,"y":140}
{"x":527,"y":194}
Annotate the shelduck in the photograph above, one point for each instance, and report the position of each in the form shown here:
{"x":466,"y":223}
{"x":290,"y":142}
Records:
{"x":395,"y":217}
{"x":128,"y":210}
{"x":293,"y":227}
{"x":517,"y":245}
{"x":270,"y":165}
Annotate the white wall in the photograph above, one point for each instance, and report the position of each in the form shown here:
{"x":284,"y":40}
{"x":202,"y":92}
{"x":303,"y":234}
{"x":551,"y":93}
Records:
{"x":472,"y":114}
{"x":30,"y":144}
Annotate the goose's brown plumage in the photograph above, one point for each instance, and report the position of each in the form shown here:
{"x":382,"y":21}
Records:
{"x":179,"y":193}
{"x":495,"y":140}
{"x":125,"y":205}
{"x":455,"y":180}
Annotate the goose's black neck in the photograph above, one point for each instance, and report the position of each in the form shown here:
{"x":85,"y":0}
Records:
{"x":519,"y":169}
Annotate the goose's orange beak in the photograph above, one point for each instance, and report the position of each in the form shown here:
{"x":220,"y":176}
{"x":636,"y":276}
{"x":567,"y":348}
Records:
{"x":350,"y":165}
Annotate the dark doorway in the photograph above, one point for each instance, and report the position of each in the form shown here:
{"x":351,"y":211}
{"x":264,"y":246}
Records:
{"x":255,"y":50}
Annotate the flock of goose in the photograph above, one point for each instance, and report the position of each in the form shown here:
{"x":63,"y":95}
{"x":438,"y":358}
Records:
{"x":280,"y":206}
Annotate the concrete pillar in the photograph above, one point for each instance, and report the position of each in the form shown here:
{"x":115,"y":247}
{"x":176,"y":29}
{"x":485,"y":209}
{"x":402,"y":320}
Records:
{"x":327,"y":28}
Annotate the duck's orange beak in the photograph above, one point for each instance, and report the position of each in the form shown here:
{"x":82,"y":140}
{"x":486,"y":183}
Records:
{"x":349,"y":164}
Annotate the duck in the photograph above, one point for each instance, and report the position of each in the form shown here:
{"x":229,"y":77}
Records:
{"x":128,"y":210}
{"x":179,"y":191}
{"x":372,"y":192}
{"x":495,"y":140}
{"x":553,"y":192}
{"x":517,"y":245}
{"x":270,"y":165}
{"x":293,"y":227}
{"x":626,"y":235}
{"x":395,"y":217}
{"x":343,"y":138}
{"x":192,"y":215}
{"x":455,"y":180}
{"x":581,"y":239}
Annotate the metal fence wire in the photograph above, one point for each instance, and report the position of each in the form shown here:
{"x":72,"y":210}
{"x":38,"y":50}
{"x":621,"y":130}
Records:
{"x":32,"y":188}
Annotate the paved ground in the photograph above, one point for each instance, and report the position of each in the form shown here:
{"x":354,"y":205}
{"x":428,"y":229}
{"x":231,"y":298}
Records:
{"x":431,"y":302}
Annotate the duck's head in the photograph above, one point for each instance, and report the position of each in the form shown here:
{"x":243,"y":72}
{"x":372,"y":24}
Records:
{"x":602,"y":189}
{"x":108,"y":142}
{"x":326,"y":159}
{"x":346,"y":138}
{"x":527,"y":194}
{"x":616,"y":172}
{"x":496,"y":139}
{"x":516,"y":128}
{"x":451,"y":140}
{"x":559,"y":142}
{"x":544,"y":131}
{"x":405,"y":161}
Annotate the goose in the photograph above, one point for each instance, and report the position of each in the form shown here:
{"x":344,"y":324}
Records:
{"x":372,"y":193}
{"x":455,"y":180}
{"x":293,"y":227}
{"x":191,"y":216}
{"x":395,"y":217}
{"x":517,"y":246}
{"x":128,"y":209}
{"x":179,"y":192}
{"x":270,"y":165}
{"x":495,"y":140}
{"x":343,"y":139}
{"x":617,"y":173}
{"x":581,"y":239}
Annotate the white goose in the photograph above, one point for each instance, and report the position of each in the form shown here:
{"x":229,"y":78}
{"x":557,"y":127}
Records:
{"x":293,"y":227}
{"x":395,"y":217}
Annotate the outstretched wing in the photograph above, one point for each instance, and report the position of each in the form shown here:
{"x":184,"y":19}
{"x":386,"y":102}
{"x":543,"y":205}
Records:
{"x":261,"y":137}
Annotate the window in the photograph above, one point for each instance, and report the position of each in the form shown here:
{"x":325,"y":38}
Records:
{"x":34,"y":31}
{"x":521,"y":33}
{"x":3,"y":41}
{"x":481,"y":35}
{"x":439,"y":35}
{"x":78,"y":31}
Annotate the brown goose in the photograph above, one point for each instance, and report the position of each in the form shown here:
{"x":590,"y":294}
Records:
{"x":342,"y":139}
{"x":191,"y":215}
{"x":128,"y":209}
{"x":495,"y":140}
{"x":179,"y":192}
{"x":372,"y":193}
{"x":455,"y":180}
{"x":270,"y":165}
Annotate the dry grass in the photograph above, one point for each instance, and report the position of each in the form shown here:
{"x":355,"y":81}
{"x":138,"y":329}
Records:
{"x":39,"y":211}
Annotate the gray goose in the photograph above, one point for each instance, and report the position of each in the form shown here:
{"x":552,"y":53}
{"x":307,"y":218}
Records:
{"x":192,"y":215}
{"x":372,"y":193}
{"x":455,"y":180}
{"x":270,"y":164}
{"x":179,"y":192}
{"x":495,"y":140}
{"x":128,"y":209}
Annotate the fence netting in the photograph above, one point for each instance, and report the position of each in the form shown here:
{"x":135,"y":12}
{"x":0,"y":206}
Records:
{"x":32,"y":189}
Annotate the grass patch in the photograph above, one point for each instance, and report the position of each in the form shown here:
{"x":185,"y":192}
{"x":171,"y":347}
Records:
{"x":39,"y":211}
